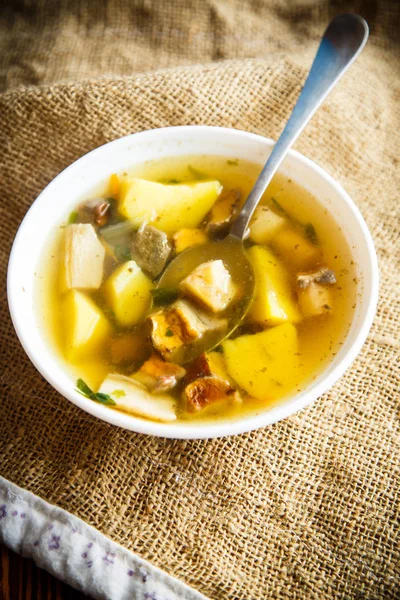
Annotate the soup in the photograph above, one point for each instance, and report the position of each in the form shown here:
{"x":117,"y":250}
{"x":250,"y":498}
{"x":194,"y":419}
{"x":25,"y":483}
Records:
{"x":155,"y":348}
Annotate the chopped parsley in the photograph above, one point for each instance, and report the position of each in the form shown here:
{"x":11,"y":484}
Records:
{"x":85,"y":390}
{"x":169,"y":333}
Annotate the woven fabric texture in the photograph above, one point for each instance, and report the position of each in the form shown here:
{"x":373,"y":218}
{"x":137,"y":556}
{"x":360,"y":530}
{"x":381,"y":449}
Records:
{"x":67,"y":40}
{"x":306,"y":509}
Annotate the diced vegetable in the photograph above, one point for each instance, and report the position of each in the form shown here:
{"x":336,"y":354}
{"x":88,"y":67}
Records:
{"x":128,"y":293}
{"x":185,"y":238}
{"x":315,"y":299}
{"x":84,"y":324}
{"x":174,"y":327}
{"x":119,"y":233}
{"x":167,"y":207}
{"x":128,"y":347}
{"x":265,"y":224}
{"x":181,"y":324}
{"x":136,"y":399}
{"x":323,"y":275}
{"x":207,"y":390}
{"x":273,"y":302}
{"x":296,"y":250}
{"x":114,"y":186}
{"x":223,"y":213}
{"x":151,"y":250}
{"x":83,"y":258}
{"x":264,"y":364}
{"x":211,"y":285}
{"x":158,"y":375}
{"x":102,"y":213}
{"x":209,"y":364}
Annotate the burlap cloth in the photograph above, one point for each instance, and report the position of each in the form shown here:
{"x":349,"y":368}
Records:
{"x":309,"y":507}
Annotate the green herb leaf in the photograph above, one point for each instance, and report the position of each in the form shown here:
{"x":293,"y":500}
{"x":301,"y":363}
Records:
{"x":122,"y":253}
{"x":311,"y":234}
{"x":163,"y":296}
{"x":72,"y":217}
{"x":169,"y":333}
{"x":118,"y":393}
{"x":85,"y":390}
{"x":232,"y":162}
{"x":104,"y":399}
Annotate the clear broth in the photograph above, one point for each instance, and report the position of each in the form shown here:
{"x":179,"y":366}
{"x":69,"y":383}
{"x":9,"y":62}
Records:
{"x":319,"y":338}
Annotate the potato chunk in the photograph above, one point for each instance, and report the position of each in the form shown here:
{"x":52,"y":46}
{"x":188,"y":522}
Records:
{"x":273,"y":302}
{"x":158,"y":375}
{"x":207,"y":390}
{"x":127,"y":292}
{"x":264,"y":364}
{"x":185,"y":238}
{"x":298,"y":252}
{"x":167,"y":207}
{"x":151,"y":250}
{"x":84,"y":257}
{"x":85,"y":326}
{"x":211,"y":285}
{"x":265,"y":224}
{"x":315,"y":299}
{"x":130,"y":396}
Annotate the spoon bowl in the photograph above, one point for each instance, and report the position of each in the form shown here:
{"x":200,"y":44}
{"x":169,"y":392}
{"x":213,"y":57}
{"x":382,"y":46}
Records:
{"x":232,"y":252}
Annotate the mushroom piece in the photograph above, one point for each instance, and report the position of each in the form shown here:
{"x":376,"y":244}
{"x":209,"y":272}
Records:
{"x":96,"y":212}
{"x":180,"y":324}
{"x":158,"y":375}
{"x":223,"y":212}
{"x":323,"y":275}
{"x":207,"y":390}
{"x":151,"y":250}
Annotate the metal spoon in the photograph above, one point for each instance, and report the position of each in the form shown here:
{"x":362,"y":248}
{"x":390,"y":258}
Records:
{"x":342,"y":42}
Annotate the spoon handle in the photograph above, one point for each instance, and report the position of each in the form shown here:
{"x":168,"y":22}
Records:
{"x":342,"y":42}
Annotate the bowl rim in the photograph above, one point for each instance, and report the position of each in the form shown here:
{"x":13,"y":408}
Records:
{"x":293,"y":404}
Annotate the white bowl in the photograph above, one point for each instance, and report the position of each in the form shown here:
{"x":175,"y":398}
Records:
{"x":60,"y":197}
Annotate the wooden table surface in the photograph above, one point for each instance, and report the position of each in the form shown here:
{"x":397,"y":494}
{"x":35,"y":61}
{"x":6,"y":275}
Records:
{"x":21,"y":579}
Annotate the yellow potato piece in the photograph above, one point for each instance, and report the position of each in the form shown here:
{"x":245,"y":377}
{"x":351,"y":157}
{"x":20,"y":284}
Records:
{"x":298,"y":252}
{"x":167,"y":207}
{"x":127,"y":292}
{"x":85,"y":326}
{"x":273,"y":302}
{"x":185,"y":238}
{"x":265,"y":364}
{"x":265,"y":224}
